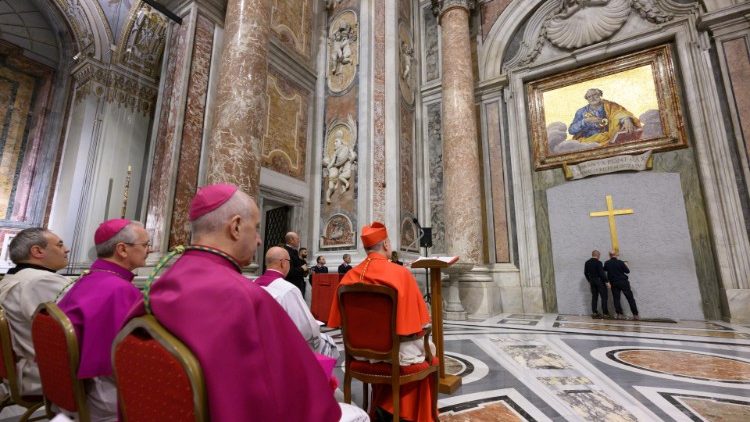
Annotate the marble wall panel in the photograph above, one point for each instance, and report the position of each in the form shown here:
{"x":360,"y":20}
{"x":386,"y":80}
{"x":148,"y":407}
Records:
{"x":497,"y":176}
{"x":165,"y":152}
{"x":192,"y":131}
{"x":291,"y":21}
{"x":407,"y":186}
{"x":738,"y":64}
{"x":339,"y":184}
{"x":437,"y":201}
{"x":285,"y":141}
{"x":16,"y":90}
{"x":489,"y":12}
{"x":430,"y":45}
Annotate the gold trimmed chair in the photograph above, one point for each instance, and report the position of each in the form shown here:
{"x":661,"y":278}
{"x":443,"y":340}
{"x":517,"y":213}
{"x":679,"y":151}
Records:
{"x":8,"y":371}
{"x":58,"y":357}
{"x":368,"y":325}
{"x":158,"y":377}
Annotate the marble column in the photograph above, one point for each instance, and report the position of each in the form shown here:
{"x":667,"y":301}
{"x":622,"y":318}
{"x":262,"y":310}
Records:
{"x":462,"y":182}
{"x":240,"y":104}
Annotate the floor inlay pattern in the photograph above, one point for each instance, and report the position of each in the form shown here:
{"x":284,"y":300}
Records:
{"x":652,"y":330}
{"x":685,"y":364}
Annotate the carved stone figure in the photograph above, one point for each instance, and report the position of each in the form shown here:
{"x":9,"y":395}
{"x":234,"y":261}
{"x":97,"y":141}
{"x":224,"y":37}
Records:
{"x":341,"y":52}
{"x":340,"y":166}
{"x":407,"y":55}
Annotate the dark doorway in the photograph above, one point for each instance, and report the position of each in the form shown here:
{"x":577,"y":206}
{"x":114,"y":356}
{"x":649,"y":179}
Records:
{"x":277,"y":225}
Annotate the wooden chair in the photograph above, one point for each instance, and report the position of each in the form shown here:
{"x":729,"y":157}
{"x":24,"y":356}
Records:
{"x":368,"y":325}
{"x":58,"y":357}
{"x":8,"y":371}
{"x":158,"y":377}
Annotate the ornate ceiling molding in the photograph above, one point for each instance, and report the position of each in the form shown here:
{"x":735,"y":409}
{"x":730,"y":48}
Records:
{"x":90,"y":28}
{"x":142,"y":41}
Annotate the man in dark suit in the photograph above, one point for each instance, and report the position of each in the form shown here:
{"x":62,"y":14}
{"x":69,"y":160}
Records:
{"x":594,"y":273}
{"x":345,"y":267}
{"x":617,"y":273}
{"x":297,"y":267}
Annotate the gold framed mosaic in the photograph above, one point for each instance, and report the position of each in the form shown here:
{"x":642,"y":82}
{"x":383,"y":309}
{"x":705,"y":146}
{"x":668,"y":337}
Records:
{"x":626,"y":105}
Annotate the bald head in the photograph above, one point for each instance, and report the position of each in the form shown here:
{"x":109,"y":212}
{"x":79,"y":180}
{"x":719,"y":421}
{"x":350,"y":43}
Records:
{"x":292,"y":239}
{"x":277,"y":258}
{"x":595,"y":254}
{"x":612,"y":254}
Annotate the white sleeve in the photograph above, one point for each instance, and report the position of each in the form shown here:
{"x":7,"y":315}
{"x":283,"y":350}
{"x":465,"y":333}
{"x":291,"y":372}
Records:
{"x":300,"y":314}
{"x":40,"y":290}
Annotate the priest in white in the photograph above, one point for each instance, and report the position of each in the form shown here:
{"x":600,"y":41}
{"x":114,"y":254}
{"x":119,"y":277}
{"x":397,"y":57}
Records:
{"x":290,"y":298}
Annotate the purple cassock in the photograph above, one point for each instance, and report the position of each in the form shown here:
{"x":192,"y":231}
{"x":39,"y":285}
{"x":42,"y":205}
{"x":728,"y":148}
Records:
{"x":97,"y":305}
{"x":256,"y":364}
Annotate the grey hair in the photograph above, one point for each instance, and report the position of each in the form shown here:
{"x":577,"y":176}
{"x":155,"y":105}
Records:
{"x":376,"y":247}
{"x":126,"y":235}
{"x":586,"y":96}
{"x":238,"y":204}
{"x":20,"y":246}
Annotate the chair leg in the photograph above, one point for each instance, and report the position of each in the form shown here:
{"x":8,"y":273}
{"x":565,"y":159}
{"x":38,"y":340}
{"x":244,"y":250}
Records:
{"x":347,"y":387}
{"x":365,"y":397}
{"x":396,"y":394}
{"x":30,"y":411}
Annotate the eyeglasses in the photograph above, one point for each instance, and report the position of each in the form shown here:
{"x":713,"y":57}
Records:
{"x":285,"y":259}
{"x":144,"y":244}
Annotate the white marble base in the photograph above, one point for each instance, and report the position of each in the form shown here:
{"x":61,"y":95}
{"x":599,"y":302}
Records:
{"x":738,"y":302}
{"x":533,"y":301}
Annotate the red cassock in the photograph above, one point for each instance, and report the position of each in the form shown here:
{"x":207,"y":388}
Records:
{"x":412,"y":315}
{"x":256,"y":364}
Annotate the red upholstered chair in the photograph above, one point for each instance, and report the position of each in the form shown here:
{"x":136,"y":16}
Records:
{"x":57,"y":356}
{"x":368,"y":325}
{"x":158,"y":378}
{"x":9,"y":373}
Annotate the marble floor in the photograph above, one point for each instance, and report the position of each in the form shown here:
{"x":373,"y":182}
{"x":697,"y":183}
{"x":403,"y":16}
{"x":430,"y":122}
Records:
{"x":520,"y":367}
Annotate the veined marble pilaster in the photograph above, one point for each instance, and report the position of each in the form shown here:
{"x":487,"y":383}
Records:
{"x":731,"y":31}
{"x":234,"y":149}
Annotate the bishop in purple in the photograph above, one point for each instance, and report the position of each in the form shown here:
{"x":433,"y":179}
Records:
{"x":98,"y":304}
{"x":256,"y":364}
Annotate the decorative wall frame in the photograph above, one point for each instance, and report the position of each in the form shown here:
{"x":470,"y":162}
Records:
{"x":637,"y":109}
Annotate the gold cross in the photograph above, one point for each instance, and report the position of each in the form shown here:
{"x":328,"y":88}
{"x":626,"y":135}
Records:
{"x":610,"y":214}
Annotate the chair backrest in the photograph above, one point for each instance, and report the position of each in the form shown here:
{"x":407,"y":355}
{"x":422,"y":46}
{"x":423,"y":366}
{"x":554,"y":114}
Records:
{"x":368,"y":321}
{"x":58,"y":357}
{"x":158,"y":378}
{"x":8,"y":356}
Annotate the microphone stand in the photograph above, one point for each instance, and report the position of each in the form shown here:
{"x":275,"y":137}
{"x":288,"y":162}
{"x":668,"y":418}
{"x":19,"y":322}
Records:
{"x":427,"y":296}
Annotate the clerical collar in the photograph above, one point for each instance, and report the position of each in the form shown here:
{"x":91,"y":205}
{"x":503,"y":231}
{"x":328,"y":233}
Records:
{"x":23,"y":266}
{"x":216,"y":252}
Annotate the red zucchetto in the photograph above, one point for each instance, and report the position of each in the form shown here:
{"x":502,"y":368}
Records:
{"x":373,"y":234}
{"x":108,"y":229}
{"x":210,"y":197}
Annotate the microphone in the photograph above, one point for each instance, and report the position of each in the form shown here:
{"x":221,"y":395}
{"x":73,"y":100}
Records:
{"x":416,"y":223}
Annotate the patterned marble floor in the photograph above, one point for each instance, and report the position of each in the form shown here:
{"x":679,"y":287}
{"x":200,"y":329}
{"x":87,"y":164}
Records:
{"x":517,"y":367}
{"x":520,"y":367}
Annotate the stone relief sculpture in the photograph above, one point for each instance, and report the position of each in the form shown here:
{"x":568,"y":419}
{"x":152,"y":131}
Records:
{"x":579,"y":23}
{"x":144,"y":44}
{"x":406,"y":60}
{"x":584,"y":22}
{"x":341,"y":164}
{"x":343,"y":51}
{"x":338,"y":231}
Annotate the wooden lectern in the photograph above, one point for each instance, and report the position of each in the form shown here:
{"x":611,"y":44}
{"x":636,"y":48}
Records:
{"x":324,"y":286}
{"x":447,"y":384}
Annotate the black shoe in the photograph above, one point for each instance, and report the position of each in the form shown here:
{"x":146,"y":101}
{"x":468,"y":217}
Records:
{"x":596,"y":316}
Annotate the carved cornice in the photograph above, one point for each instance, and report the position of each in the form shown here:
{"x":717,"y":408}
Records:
{"x":441,"y":6}
{"x":94,"y":78}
